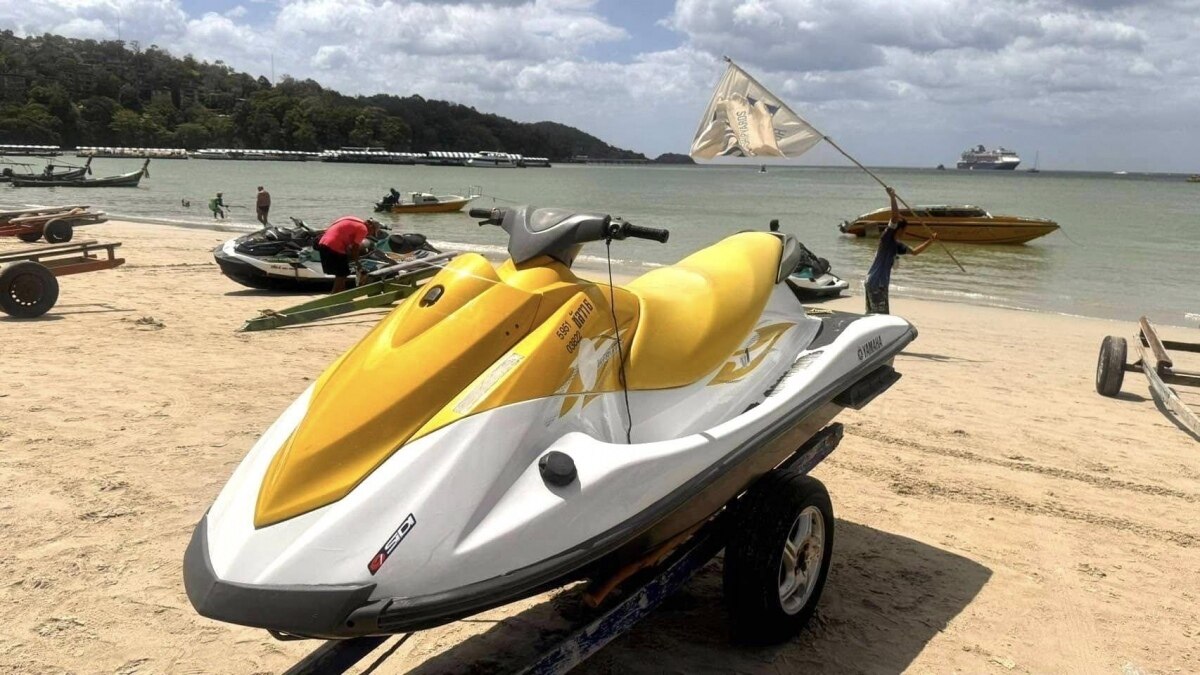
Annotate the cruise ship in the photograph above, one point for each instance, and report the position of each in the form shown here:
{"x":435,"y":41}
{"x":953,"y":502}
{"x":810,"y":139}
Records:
{"x":982,"y":158}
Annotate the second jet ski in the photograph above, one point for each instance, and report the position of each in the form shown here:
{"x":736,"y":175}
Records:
{"x":812,"y":279}
{"x":285,"y":258}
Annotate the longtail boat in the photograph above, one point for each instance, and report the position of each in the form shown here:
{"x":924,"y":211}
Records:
{"x":123,"y":180}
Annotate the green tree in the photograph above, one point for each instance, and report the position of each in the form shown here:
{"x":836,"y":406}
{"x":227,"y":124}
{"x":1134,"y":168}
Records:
{"x":30,"y":123}
{"x":192,"y":136}
{"x":133,"y":129}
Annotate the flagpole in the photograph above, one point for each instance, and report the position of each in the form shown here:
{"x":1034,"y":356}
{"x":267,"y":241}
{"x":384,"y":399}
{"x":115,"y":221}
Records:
{"x":911,"y":210}
{"x":845,"y":154}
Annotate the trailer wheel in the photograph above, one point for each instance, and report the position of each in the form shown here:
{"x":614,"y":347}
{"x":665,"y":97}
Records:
{"x":58,"y":231}
{"x":27,"y":290}
{"x":1110,"y":367}
{"x":777,"y":557}
{"x":29,"y":236}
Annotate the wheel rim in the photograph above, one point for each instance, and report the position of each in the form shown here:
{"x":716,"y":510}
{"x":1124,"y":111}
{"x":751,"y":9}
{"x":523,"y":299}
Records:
{"x":803,"y":553}
{"x":27,"y":290}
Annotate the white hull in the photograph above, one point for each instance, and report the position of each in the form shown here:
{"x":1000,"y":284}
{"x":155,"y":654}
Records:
{"x":481,"y":529}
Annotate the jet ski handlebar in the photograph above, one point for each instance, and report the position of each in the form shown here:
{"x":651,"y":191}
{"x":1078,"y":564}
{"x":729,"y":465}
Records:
{"x":619,"y":229}
{"x":613,"y":228}
{"x":558,"y":233}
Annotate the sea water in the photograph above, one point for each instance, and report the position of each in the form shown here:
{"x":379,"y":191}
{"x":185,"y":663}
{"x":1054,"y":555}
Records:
{"x":1129,"y":245}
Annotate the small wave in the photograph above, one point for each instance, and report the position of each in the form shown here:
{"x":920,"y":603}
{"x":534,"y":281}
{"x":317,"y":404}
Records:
{"x":223,"y":226}
{"x":941,"y":292}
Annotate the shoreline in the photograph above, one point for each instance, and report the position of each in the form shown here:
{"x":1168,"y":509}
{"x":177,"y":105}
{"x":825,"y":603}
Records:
{"x":632,"y":268}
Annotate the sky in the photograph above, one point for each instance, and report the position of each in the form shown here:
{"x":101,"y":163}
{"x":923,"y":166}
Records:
{"x":1084,"y":84}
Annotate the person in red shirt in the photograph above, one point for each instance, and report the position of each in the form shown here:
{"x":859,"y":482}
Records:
{"x":341,"y":244}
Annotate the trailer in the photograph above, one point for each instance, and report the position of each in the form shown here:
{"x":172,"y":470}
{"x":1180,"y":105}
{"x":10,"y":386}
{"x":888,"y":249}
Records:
{"x":56,"y":224}
{"x":1155,"y":363}
{"x":647,"y":584}
{"x":29,"y":277}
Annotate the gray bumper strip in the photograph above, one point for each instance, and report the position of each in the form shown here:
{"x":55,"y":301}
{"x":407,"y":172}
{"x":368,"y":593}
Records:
{"x":310,"y":611}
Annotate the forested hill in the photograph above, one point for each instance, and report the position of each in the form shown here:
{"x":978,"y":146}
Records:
{"x":70,"y":92}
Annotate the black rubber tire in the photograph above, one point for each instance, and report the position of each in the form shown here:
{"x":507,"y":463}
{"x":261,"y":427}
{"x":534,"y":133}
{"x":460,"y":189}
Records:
{"x":58,"y":232}
{"x":27,"y":290}
{"x":1110,"y":367}
{"x":762,"y":521}
{"x":29,"y":237}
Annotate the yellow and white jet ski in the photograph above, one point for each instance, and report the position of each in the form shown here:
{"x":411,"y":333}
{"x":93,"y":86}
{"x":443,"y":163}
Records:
{"x":512,"y":428}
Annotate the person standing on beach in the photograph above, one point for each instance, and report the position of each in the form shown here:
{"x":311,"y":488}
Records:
{"x":340,"y":246}
{"x":880,"y":275}
{"x":263,"y":205}
{"x":216,"y":205}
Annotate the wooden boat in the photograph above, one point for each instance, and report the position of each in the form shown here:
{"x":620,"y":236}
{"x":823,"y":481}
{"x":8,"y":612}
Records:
{"x":424,"y":202}
{"x":966,"y":224}
{"x":123,"y":180}
{"x":72,"y":173}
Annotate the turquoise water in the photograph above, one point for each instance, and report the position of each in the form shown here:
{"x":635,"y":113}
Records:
{"x":1131,"y":243}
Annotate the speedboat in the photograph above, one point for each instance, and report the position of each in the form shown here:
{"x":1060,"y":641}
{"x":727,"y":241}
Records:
{"x":424,"y":202}
{"x":285,"y":258}
{"x":511,"y":428}
{"x":967,"y":224}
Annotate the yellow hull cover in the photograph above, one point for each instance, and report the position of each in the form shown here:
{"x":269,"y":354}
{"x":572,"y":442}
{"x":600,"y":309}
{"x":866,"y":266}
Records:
{"x":476,"y":338}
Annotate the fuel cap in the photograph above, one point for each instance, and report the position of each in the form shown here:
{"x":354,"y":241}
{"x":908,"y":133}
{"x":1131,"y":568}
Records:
{"x":557,"y":468}
{"x":432,"y":296}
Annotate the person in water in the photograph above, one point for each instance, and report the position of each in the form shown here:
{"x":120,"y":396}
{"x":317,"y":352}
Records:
{"x":880,"y":275}
{"x":774,"y":225}
{"x":217,"y":206}
{"x":262,"y":205}
{"x":340,"y":247}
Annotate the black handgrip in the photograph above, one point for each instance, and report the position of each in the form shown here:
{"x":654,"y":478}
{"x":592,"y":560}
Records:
{"x":480,"y":213}
{"x":652,"y":233}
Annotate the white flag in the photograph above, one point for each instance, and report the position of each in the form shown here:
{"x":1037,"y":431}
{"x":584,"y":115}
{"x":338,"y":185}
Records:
{"x":745,"y":120}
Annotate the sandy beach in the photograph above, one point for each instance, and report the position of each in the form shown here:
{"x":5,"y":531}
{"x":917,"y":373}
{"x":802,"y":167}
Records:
{"x":994,"y":513}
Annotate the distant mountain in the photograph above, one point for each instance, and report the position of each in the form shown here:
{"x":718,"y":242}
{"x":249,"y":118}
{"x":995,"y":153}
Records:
{"x":82,"y":92}
{"x":673,"y":158}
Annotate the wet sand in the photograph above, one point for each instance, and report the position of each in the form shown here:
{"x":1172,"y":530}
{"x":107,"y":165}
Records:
{"x":994,"y":513}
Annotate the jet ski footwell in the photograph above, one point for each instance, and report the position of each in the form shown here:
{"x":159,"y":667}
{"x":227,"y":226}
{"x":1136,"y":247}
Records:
{"x":345,"y":611}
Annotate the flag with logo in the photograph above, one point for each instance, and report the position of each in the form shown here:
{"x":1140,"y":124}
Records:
{"x":743,"y":119}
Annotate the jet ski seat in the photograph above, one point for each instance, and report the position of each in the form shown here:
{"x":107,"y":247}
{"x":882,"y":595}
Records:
{"x":695,"y":313}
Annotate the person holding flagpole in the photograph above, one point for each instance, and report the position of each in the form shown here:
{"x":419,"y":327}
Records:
{"x":879,"y":277}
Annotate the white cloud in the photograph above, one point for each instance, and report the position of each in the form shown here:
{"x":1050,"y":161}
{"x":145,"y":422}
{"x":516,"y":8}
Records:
{"x":910,"y":82}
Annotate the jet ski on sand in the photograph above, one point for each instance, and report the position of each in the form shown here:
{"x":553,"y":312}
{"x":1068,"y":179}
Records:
{"x":546,"y":429}
{"x":285,"y":258}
